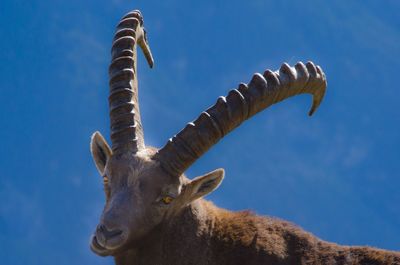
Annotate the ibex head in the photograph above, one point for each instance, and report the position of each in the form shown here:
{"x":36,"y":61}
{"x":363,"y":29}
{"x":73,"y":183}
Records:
{"x":140,"y":195}
{"x":146,"y":187}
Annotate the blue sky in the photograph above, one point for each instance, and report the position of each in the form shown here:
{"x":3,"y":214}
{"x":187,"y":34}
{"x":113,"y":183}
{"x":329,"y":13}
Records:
{"x":335,"y":174}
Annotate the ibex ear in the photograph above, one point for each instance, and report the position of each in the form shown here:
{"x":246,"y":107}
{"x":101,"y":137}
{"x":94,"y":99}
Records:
{"x":203,"y":185}
{"x":101,"y":152}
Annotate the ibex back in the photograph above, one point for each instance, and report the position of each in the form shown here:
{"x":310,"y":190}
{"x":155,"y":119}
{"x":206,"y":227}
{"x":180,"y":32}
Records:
{"x":155,"y":215}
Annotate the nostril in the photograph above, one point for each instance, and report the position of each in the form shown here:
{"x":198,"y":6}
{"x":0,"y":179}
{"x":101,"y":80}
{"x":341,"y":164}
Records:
{"x":109,"y":233}
{"x":113,"y":233}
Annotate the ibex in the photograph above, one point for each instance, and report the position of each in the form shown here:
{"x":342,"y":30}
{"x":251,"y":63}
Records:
{"x":155,"y":215}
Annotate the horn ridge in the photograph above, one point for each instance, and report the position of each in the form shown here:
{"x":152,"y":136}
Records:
{"x":125,"y":122}
{"x":228,"y":113}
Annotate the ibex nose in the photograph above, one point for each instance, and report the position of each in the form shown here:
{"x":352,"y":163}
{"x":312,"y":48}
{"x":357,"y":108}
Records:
{"x":107,"y":233}
{"x":109,"y":238}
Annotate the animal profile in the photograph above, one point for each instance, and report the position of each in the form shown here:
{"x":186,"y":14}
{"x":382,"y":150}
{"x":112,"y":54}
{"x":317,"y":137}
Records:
{"x":155,"y":215}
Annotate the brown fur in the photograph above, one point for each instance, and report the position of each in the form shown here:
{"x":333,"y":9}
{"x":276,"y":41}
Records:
{"x":204,"y":234}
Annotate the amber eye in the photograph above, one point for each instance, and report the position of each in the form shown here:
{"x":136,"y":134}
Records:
{"x":167,"y":199}
{"x":106,"y":186}
{"x":105,"y":180}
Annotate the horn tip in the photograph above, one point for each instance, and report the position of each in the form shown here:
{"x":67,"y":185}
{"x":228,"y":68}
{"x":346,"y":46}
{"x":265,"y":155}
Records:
{"x":312,"y":111}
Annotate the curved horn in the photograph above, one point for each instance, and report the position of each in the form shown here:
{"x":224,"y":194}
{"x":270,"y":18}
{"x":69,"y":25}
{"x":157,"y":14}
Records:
{"x":229,"y":112}
{"x":126,"y":126}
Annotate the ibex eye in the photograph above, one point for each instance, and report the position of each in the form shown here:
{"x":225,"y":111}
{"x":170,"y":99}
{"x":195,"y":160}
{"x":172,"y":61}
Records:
{"x":167,"y":199}
{"x":105,"y":180}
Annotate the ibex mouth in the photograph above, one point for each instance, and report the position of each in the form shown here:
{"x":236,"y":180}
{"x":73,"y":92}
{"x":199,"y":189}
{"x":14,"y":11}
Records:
{"x":97,"y":248}
{"x":105,"y":245}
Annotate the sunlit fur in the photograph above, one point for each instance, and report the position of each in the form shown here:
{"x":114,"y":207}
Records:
{"x":205,"y":234}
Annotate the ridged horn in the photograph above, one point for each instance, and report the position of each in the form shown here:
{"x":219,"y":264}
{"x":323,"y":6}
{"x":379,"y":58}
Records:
{"x":126,"y":125}
{"x":229,"y":112}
